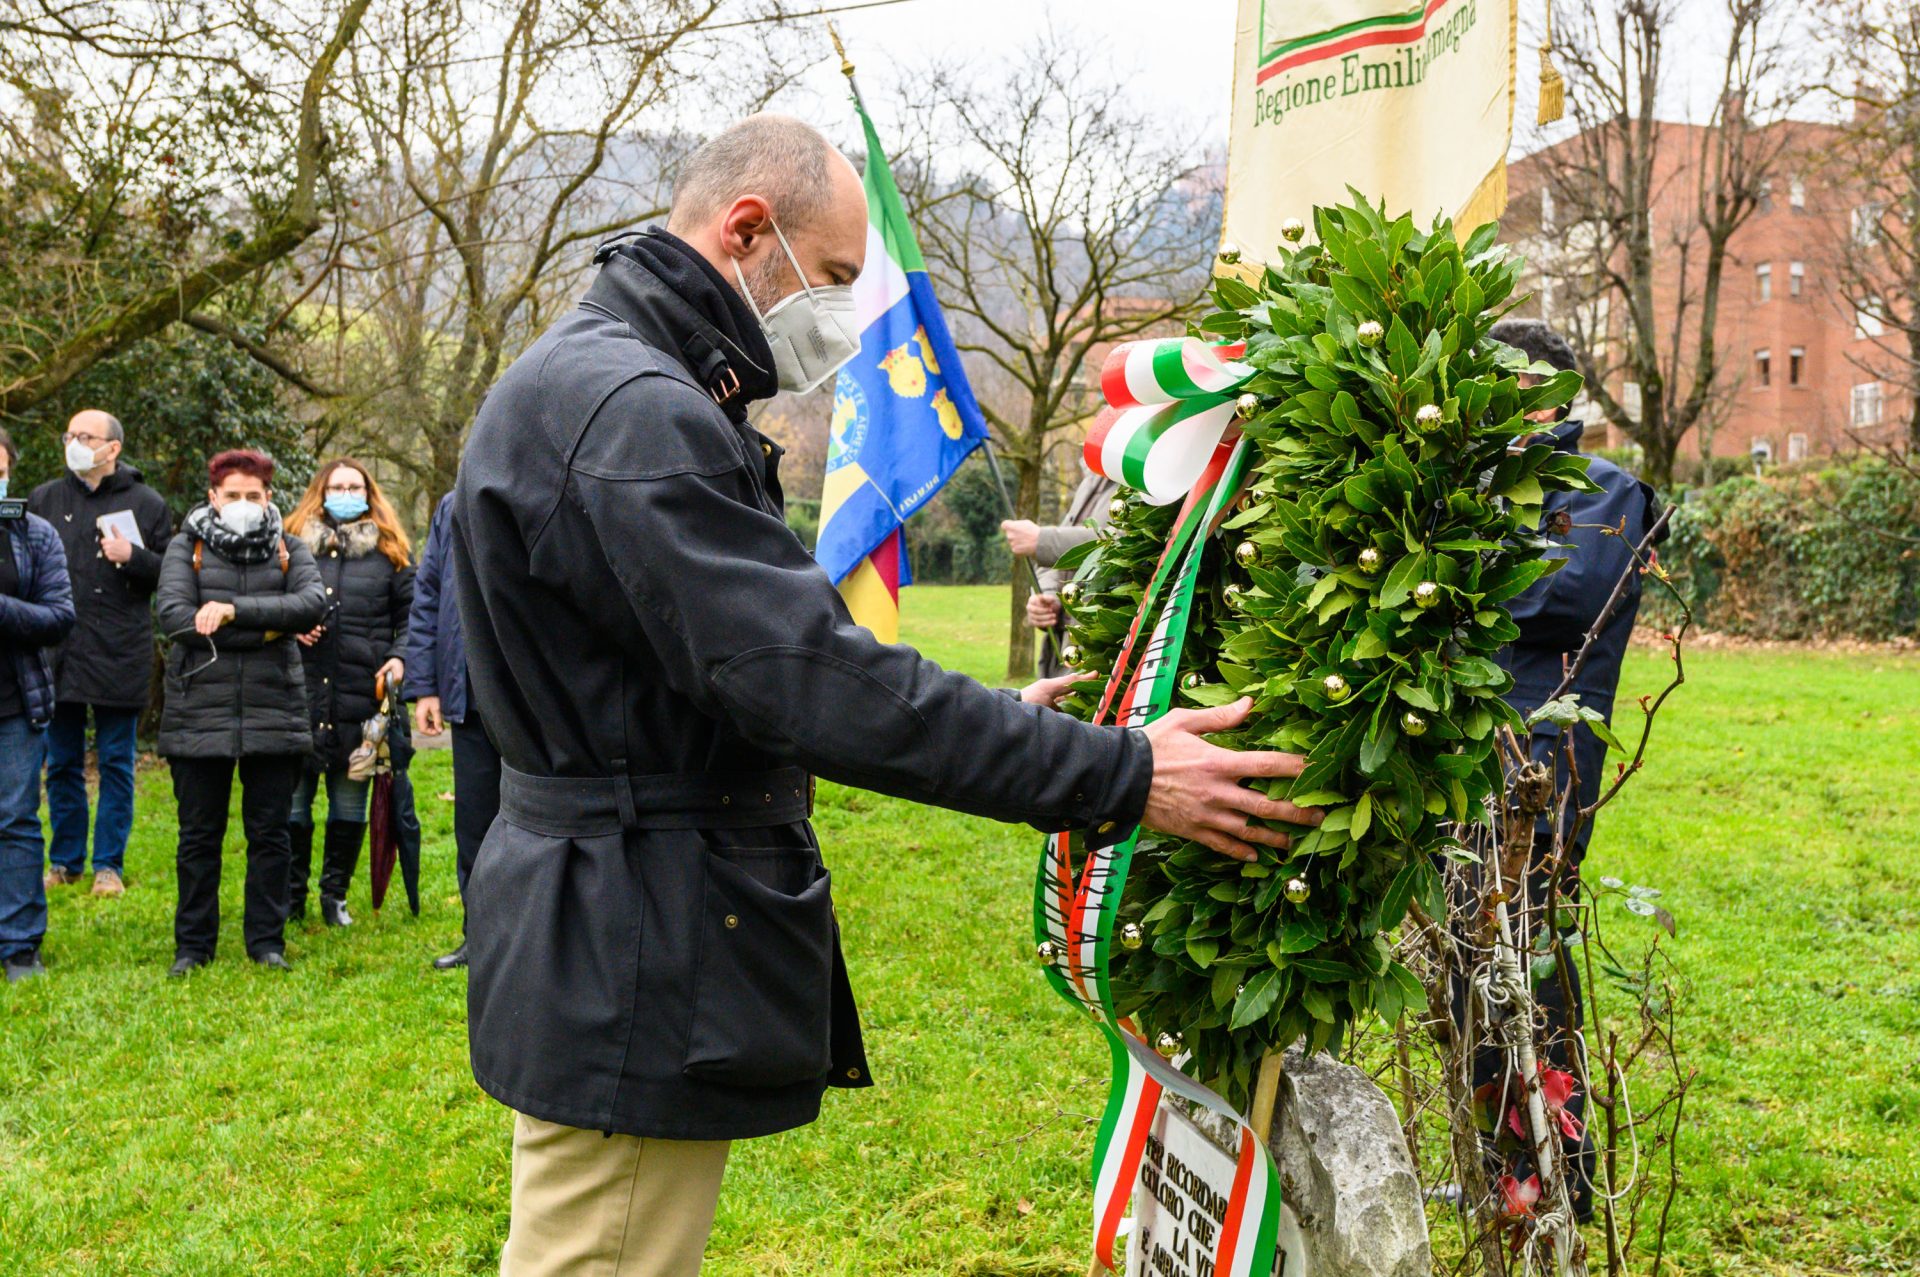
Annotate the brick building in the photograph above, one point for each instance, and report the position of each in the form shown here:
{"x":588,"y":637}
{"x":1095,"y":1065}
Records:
{"x":1801,"y":374}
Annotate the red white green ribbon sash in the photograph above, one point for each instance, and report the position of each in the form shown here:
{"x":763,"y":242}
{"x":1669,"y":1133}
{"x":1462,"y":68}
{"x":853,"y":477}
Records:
{"x":1076,"y":911}
{"x":1168,"y":408}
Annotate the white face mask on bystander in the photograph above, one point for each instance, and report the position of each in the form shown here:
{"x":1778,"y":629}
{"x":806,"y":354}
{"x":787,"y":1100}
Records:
{"x":243,"y":516}
{"x":812,"y":332}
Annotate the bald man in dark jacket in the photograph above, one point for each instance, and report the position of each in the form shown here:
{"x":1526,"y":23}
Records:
{"x":655,"y":964}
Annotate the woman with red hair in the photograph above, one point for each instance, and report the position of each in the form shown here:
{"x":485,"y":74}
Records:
{"x":234,"y":591}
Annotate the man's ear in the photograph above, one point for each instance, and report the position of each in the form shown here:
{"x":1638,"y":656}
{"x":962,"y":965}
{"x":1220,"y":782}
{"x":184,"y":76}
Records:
{"x":743,"y":224}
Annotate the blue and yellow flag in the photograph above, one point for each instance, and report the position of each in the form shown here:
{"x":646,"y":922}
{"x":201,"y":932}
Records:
{"x":904,"y":417}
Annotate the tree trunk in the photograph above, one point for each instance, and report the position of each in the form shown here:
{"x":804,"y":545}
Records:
{"x":1020,"y":637}
{"x":1657,"y":446}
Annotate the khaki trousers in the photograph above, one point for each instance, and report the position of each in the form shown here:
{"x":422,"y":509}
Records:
{"x":586,"y":1204}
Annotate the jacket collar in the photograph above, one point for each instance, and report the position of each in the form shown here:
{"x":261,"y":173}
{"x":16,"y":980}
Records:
{"x":675,"y":301}
{"x":1566,"y":435}
{"x":123,"y":476}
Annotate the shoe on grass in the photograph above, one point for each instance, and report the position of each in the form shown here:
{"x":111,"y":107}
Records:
{"x":186,"y":962}
{"x":272,"y":959}
{"x":24,"y":966}
{"x":449,"y":961}
{"x":334,"y":912}
{"x":107,"y":882}
{"x":58,"y":877}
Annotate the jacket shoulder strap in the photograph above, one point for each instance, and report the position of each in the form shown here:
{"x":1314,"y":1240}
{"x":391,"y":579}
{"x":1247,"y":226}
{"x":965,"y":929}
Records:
{"x":286,"y":557}
{"x":199,"y":548}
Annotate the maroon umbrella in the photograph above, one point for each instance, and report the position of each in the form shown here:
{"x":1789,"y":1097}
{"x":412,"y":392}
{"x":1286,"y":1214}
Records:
{"x":382,"y":832}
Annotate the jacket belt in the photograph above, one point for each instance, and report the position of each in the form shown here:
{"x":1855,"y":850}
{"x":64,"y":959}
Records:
{"x":592,"y":806}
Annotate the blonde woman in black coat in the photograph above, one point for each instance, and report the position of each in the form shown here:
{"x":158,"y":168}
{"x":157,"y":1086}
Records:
{"x":366,"y":567}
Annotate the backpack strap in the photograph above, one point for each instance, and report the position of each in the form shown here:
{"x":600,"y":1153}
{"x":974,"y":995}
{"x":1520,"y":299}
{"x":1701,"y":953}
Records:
{"x":199,"y":548}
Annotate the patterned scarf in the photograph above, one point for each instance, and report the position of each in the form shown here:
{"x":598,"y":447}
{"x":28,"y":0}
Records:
{"x":257,"y":546}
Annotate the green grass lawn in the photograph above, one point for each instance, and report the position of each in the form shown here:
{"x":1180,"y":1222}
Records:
{"x":325,"y":1122}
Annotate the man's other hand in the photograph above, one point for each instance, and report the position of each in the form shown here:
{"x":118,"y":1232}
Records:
{"x":1043,"y":611}
{"x":1023,"y":537}
{"x":1197,"y":792}
{"x":426,"y":716}
{"x":1048,"y":691}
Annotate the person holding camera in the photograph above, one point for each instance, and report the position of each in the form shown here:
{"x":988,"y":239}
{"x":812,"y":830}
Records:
{"x":36,"y":611}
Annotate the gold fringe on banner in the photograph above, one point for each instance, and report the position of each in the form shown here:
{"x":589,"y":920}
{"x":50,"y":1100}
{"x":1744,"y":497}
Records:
{"x":1553,"y":89}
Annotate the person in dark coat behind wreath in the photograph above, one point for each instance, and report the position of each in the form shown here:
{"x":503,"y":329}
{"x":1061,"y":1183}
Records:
{"x":1555,"y":616}
{"x":655,"y":967}
{"x":1086,"y":513}
{"x":105,"y":668}
{"x":36,"y":611}
{"x":442,"y":698}
{"x":366,"y":565}
{"x":234,"y":591}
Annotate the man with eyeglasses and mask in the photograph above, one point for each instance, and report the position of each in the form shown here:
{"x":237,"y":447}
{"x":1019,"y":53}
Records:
{"x":115,"y":531}
{"x":655,"y":967}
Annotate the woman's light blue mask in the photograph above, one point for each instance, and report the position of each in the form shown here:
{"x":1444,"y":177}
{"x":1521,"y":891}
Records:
{"x":346,"y":508}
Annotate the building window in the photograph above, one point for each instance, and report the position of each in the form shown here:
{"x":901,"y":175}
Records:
{"x":1866,"y":404}
{"x":1797,"y":197}
{"x":1630,"y":400}
{"x":1796,"y":278}
{"x":1866,"y":319}
{"x":1796,"y":447}
{"x":1763,"y":366}
{"x":1763,"y":281}
{"x":1796,"y":365}
{"x":1866,"y":222}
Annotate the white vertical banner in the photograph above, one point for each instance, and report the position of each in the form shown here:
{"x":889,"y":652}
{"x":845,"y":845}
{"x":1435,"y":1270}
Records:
{"x":1406,"y":100}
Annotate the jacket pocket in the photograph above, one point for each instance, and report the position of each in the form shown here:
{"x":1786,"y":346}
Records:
{"x":762,"y":996}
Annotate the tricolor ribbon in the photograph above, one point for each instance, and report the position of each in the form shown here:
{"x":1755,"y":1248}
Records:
{"x":1169,"y":404}
{"x":1169,"y":420}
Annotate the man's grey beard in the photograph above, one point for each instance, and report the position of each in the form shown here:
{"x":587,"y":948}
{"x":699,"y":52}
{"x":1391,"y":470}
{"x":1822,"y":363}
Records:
{"x":766,"y":282}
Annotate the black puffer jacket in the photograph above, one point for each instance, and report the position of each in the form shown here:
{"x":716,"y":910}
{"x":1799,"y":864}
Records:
{"x":368,"y":599}
{"x":252,"y":699}
{"x":108,"y":659}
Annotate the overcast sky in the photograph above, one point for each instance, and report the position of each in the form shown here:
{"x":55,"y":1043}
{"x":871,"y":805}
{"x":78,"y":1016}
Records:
{"x":1176,"y":54}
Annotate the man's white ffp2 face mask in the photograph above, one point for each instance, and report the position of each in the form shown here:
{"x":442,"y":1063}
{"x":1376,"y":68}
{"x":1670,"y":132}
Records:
{"x":243,"y":517}
{"x":812,"y":332}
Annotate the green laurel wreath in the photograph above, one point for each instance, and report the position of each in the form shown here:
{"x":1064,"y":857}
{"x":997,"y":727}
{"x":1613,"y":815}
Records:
{"x":1356,"y":595}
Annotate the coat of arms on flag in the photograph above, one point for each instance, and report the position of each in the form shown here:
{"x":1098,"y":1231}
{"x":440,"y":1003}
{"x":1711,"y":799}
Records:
{"x":904,"y":417}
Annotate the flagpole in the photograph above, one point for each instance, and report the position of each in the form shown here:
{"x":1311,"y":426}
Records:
{"x":993,"y":460}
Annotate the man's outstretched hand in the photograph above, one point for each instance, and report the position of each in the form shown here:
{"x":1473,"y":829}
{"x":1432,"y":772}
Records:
{"x":1197,"y":792}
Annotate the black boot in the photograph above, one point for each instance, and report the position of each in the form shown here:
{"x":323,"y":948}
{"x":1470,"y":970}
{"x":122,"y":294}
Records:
{"x":299,"y":868}
{"x":340,"y":854}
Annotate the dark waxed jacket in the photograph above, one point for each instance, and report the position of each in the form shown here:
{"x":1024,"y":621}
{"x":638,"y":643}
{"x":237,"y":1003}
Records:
{"x":368,"y":601}
{"x":108,"y":659}
{"x":436,"y":652}
{"x":1556,"y":613}
{"x":660,"y":957}
{"x":252,"y":699}
{"x":40,"y":615}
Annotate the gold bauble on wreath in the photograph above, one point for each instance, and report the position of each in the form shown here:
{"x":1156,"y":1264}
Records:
{"x":1117,"y":508}
{"x":1370,"y":333}
{"x":1413,"y":724}
{"x":1070,"y":655}
{"x":1426,"y":417}
{"x":1246,"y":554}
{"x":1070,"y":593}
{"x":1336,"y":688}
{"x":1168,"y":1044}
{"x":1426,"y":594}
{"x":1293,"y":230}
{"x":1370,"y":561}
{"x":1247,"y":405}
{"x":1298,"y":891}
{"x":1047,"y":953}
{"x":1229,"y":254}
{"x":1132,"y":936}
